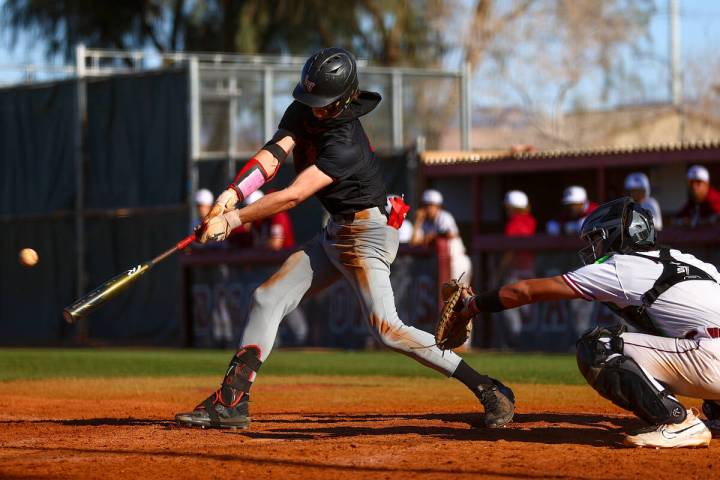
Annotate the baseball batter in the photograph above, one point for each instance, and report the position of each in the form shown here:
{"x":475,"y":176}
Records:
{"x":670,"y":297}
{"x":334,"y":161}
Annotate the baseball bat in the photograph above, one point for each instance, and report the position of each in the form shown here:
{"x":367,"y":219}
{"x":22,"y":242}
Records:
{"x":90,"y":302}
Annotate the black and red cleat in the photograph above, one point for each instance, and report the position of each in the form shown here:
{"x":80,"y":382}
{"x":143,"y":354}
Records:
{"x":213,"y":413}
{"x":228,"y":407}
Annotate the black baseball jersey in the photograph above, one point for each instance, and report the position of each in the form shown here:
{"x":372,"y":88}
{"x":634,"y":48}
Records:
{"x":340,"y":148}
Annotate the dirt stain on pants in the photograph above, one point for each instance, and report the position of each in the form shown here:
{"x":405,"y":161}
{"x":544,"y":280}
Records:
{"x":361,"y":251}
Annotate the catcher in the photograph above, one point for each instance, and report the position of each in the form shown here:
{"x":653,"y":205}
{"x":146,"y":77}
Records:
{"x":334,"y":161}
{"x":671,"y":298}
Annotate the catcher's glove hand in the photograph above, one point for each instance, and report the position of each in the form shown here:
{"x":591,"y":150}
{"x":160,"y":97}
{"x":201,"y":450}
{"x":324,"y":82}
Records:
{"x":453,"y":329}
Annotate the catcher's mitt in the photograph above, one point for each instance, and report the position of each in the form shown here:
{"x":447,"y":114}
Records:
{"x":452,"y":331}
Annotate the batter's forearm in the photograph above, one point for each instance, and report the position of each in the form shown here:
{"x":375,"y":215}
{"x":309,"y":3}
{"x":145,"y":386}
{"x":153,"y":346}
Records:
{"x":262,"y":167}
{"x":307,"y":183}
{"x":268,"y":205}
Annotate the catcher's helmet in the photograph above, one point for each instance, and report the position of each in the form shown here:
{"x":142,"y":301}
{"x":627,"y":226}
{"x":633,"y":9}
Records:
{"x":328,"y":77}
{"x":617,"y":226}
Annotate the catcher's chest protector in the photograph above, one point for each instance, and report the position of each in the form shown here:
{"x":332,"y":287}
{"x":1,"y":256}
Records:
{"x":674,"y":272}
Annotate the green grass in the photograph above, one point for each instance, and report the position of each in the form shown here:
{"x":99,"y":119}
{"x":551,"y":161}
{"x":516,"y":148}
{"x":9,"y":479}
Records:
{"x":16,"y":363}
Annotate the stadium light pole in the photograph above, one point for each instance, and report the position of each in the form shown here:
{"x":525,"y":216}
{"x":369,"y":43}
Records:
{"x":676,"y":80}
{"x":465,"y":110}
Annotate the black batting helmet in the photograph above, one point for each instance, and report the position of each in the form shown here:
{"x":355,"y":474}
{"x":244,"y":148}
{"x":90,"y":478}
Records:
{"x":617,"y":226}
{"x":328,"y":77}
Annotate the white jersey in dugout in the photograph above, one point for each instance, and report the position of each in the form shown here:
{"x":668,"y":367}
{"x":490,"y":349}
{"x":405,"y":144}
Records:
{"x":689,"y":309}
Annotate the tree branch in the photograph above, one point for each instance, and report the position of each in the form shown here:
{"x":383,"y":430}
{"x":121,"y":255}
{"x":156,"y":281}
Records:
{"x":176,"y":22}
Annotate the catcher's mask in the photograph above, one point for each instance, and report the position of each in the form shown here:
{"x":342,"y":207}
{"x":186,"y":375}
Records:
{"x":616,"y":226}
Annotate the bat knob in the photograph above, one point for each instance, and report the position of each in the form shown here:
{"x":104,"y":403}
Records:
{"x":68,"y":316}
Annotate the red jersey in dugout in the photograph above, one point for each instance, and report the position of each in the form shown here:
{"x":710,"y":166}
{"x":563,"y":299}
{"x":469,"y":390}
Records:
{"x":520,"y":225}
{"x":522,"y":263}
{"x":258,"y":234}
{"x":707,"y":208}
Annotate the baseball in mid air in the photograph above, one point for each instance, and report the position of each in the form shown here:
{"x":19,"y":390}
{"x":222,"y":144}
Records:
{"x":28,"y":257}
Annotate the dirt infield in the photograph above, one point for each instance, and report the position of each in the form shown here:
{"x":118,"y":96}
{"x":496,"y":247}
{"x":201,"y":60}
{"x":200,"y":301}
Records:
{"x":322,"y":427}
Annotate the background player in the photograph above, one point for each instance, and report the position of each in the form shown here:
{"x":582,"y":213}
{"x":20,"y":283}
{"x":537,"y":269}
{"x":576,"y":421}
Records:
{"x":433,"y":221}
{"x":576,"y":207}
{"x":334,"y":161}
{"x":671,"y":297}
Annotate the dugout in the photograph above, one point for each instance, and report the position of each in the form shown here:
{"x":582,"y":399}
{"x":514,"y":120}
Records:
{"x":543,"y":175}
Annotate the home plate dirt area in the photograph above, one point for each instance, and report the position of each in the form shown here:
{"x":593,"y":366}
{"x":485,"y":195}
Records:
{"x":322,"y":427}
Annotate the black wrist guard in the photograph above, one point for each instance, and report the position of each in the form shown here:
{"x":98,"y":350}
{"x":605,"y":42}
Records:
{"x":489,"y":301}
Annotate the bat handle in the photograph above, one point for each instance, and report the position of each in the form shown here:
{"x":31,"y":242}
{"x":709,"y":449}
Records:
{"x":185,"y":241}
{"x":178,"y":246}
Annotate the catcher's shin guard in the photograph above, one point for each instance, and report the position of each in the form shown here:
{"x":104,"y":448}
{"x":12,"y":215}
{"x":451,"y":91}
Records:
{"x":622,"y":381}
{"x":227,"y":407}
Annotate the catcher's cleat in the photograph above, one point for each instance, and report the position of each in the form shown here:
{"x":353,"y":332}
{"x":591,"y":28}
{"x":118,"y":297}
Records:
{"x":212,"y":413}
{"x":711,"y":409}
{"x":499,"y":403}
{"x":228,"y":406}
{"x":691,"y":432}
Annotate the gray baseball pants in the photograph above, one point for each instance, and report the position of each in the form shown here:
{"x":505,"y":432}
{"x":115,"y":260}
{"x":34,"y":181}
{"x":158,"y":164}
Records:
{"x":362,"y":250}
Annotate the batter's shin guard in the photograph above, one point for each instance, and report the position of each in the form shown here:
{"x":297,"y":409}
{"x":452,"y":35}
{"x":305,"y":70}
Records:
{"x":239,"y":376}
{"x":228,"y":407}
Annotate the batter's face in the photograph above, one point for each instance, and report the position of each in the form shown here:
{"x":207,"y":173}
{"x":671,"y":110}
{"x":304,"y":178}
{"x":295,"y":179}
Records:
{"x":698,"y":190}
{"x":330,"y":111}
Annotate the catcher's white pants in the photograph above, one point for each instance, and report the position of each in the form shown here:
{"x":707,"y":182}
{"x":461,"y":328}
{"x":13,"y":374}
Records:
{"x":361,"y":251}
{"x":686,"y":367}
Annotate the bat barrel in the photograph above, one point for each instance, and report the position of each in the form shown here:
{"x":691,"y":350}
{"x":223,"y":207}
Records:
{"x":103,"y":293}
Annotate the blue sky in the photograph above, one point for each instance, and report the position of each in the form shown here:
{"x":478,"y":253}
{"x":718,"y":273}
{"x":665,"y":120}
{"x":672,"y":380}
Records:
{"x":700,"y":34}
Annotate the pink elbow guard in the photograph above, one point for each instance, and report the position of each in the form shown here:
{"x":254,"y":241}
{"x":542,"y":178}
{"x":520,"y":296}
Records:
{"x":250,"y":178}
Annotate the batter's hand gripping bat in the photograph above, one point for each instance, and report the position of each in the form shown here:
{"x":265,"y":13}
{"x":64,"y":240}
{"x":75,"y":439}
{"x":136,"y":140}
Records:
{"x":117,"y":284}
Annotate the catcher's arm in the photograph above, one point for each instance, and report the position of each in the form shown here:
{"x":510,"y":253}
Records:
{"x":536,"y":290}
{"x":518,"y":294}
{"x":461,"y":305}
